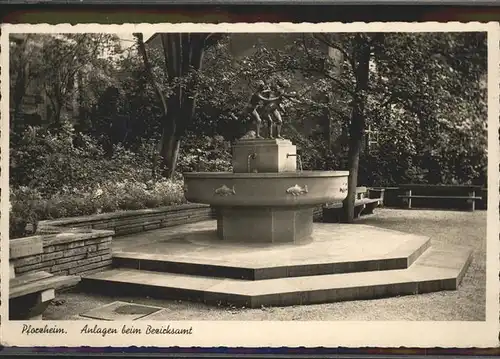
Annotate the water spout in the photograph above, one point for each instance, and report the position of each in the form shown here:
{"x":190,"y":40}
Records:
{"x":299,"y":160}
{"x":250,"y":157}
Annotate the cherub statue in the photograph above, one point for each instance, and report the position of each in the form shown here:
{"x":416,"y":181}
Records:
{"x":257,"y":101}
{"x":272,"y":108}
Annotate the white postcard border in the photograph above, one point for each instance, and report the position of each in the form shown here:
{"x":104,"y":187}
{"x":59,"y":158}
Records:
{"x":258,"y":333}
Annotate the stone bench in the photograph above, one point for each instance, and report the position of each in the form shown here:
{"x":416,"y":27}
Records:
{"x":440,"y":192}
{"x":365,"y":203}
{"x":31,"y":293}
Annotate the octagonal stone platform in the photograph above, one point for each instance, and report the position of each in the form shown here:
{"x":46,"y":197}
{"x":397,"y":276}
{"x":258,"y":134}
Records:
{"x":338,"y":249}
{"x":341,"y":262}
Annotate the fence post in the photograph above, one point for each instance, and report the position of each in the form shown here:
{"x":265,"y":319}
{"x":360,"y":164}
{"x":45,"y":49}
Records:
{"x":472,"y":200}
{"x":408,"y":194}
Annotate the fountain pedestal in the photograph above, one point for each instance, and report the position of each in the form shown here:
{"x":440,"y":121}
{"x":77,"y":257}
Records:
{"x":266,"y":156}
{"x":265,"y":225}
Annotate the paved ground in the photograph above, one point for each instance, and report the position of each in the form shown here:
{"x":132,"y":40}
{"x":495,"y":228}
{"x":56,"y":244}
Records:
{"x":444,"y":228}
{"x":333,"y":243}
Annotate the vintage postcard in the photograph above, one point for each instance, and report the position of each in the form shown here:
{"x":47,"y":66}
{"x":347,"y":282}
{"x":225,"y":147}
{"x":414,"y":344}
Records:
{"x":250,"y":185}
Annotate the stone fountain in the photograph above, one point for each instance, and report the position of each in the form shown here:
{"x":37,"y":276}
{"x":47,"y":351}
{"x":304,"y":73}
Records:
{"x":264,"y":248}
{"x":266,"y":198}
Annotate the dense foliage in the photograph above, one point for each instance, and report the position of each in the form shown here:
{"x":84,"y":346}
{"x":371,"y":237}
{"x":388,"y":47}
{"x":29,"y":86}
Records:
{"x":67,"y":174}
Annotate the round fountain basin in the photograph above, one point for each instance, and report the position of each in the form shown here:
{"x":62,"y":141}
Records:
{"x":281,"y":189}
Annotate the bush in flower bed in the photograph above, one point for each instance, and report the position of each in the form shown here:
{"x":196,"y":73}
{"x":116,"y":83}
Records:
{"x":204,"y":153}
{"x":68,"y":173}
{"x":28,"y":206}
{"x":55,"y":163}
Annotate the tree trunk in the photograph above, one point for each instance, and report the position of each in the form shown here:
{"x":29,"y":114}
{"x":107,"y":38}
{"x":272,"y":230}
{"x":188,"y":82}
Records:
{"x":169,"y":144}
{"x":19,"y":92}
{"x":355,"y":143}
{"x":357,"y":126}
{"x":195,"y":63}
{"x":55,"y":115}
{"x":188,"y":51}
{"x":149,"y":72}
{"x":171,"y":154}
{"x":21,"y":85}
{"x":183,"y":53}
{"x":328,"y":120}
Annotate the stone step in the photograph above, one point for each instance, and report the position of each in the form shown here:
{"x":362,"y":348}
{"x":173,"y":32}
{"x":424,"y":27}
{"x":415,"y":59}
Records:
{"x":292,"y":266}
{"x":435,"y":270}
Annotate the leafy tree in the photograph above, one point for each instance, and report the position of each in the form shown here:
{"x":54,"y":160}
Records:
{"x":419,"y":77}
{"x":25,"y":65}
{"x":446,"y":117}
{"x":137,"y":112}
{"x":74,"y":57}
{"x":65,"y":68}
{"x":183,"y":59}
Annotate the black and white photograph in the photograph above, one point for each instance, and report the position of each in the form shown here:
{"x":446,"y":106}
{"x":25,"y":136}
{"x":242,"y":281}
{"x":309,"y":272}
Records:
{"x":261,"y":181}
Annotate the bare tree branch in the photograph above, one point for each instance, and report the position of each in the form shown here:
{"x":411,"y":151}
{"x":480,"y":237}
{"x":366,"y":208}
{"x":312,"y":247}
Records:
{"x":306,"y":49}
{"x":328,"y":42}
{"x":148,"y":68}
{"x":339,"y":83}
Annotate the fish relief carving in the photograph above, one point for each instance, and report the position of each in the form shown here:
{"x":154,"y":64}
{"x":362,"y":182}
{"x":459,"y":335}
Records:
{"x":225,"y":191}
{"x":343,"y":188}
{"x":297,"y":190}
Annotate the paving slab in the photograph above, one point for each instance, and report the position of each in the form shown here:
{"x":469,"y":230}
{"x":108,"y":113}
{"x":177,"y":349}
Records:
{"x":121,"y":311}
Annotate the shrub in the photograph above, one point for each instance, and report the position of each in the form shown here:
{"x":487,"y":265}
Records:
{"x":53,"y":163}
{"x":204,"y":153}
{"x":65,"y":174}
{"x":128,"y":195}
{"x":47,"y":161}
{"x":28,"y":206}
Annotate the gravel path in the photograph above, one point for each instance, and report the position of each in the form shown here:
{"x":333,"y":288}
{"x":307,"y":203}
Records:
{"x":444,"y":228}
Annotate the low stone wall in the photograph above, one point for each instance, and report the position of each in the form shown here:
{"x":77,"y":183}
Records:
{"x":80,"y":245}
{"x":126,"y":222}
{"x":69,"y":253}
